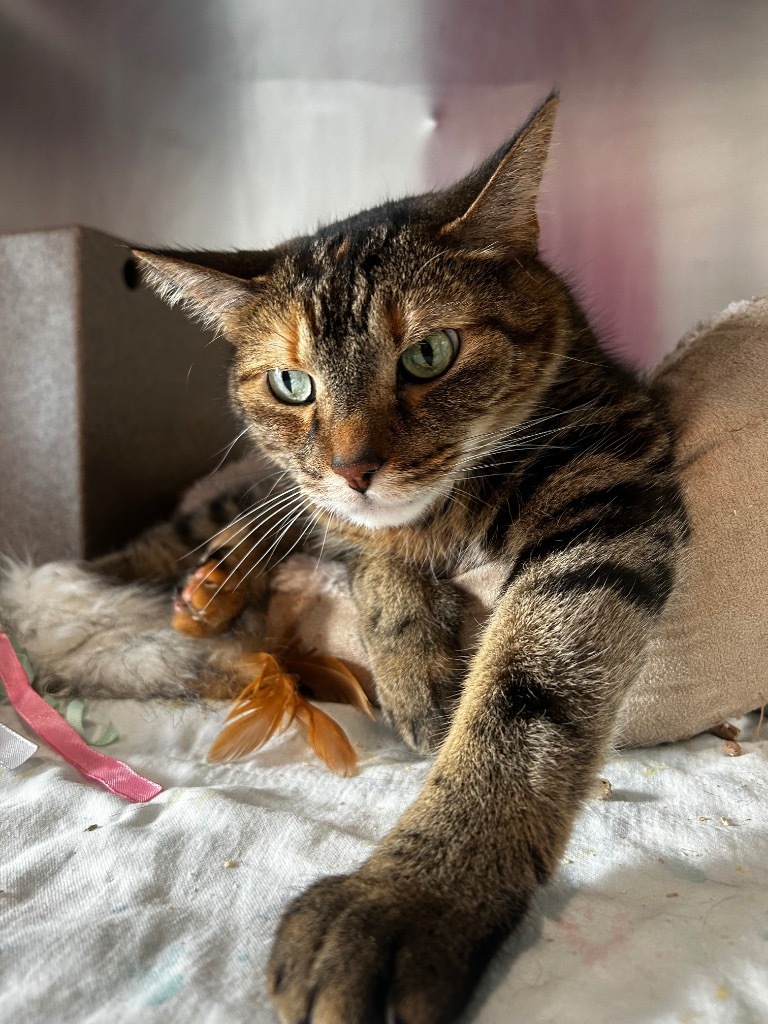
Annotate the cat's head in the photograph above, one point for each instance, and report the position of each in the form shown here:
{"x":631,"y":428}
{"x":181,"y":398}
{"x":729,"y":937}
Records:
{"x":379,"y":359}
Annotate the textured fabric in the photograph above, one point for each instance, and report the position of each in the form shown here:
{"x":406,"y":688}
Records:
{"x":14,"y":749}
{"x":708,"y":659}
{"x":111,"y":402}
{"x":165,"y":911}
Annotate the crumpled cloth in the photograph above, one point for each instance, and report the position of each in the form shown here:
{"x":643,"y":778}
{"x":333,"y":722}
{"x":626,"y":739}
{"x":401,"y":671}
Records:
{"x":165,"y":911}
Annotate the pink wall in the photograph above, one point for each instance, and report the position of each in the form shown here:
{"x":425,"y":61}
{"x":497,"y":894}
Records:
{"x":490,"y":62}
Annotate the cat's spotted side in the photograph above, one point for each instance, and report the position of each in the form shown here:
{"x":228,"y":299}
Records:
{"x":438,"y":401}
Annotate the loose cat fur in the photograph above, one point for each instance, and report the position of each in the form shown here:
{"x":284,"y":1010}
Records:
{"x":533,"y":449}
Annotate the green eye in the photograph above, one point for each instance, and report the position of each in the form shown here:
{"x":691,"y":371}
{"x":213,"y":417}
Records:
{"x":294,"y":387}
{"x":429,"y":358}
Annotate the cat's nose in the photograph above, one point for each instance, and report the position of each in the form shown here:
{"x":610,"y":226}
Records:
{"x":357,"y":474}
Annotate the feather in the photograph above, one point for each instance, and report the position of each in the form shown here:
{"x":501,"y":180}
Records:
{"x":265,"y":707}
{"x":264,"y":669}
{"x":329,"y":679}
{"x":327,"y":739}
{"x":270,"y":701}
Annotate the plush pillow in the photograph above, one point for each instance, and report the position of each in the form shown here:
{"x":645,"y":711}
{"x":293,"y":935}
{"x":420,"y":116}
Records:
{"x":707,"y":659}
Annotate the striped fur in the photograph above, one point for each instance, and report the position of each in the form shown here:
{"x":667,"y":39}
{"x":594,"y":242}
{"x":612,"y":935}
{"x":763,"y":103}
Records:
{"x":534,"y":449}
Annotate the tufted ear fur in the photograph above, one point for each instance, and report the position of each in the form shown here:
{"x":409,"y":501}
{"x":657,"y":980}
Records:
{"x":499,"y":198}
{"x":212,"y":287}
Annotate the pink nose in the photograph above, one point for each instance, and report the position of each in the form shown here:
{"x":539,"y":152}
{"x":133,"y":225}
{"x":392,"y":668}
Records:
{"x":357,"y":474}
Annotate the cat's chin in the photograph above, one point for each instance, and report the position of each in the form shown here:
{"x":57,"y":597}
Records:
{"x":376,"y":514}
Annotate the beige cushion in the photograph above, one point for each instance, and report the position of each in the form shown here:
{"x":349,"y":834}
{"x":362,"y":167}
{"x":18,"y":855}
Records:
{"x":708,"y":661}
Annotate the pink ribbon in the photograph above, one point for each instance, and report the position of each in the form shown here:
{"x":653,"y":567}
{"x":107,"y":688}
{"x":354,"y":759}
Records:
{"x":52,"y":728}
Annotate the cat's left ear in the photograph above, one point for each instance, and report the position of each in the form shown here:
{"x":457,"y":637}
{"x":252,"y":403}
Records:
{"x":212,"y":287}
{"x":501,"y":195}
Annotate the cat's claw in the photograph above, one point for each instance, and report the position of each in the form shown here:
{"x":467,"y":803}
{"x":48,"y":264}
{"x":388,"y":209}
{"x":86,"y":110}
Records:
{"x":354,"y":949}
{"x":424,"y":734}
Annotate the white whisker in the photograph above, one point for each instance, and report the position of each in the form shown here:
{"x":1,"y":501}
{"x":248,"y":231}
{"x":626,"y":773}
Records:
{"x":325,"y":538}
{"x":255,"y":509}
{"x":292,"y":515}
{"x":269,"y":550}
{"x":227,"y":450}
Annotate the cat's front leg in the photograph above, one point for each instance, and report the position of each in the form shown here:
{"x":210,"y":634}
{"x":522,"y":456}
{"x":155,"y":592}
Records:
{"x":410,"y":625}
{"x":410,"y":932}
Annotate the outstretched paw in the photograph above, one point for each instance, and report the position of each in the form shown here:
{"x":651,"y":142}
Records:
{"x":355,"y":949}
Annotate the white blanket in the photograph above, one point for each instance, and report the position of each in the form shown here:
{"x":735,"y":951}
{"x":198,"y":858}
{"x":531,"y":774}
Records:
{"x":164,"y":912}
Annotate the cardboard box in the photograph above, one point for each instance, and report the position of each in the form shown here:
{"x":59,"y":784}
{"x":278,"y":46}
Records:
{"x":110,"y":402}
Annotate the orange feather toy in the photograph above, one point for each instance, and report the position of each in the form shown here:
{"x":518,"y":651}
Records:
{"x":273,"y":699}
{"x":276,"y":693}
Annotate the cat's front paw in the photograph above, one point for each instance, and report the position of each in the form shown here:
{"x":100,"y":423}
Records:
{"x":354,"y":949}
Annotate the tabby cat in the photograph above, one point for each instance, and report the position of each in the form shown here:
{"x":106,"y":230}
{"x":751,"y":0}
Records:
{"x":438,"y":401}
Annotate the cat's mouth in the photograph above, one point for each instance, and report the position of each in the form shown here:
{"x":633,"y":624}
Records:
{"x":377,"y":511}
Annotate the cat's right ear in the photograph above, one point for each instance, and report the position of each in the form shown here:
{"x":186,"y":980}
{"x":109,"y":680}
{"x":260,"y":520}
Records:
{"x":215,"y":288}
{"x":497,"y":201}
